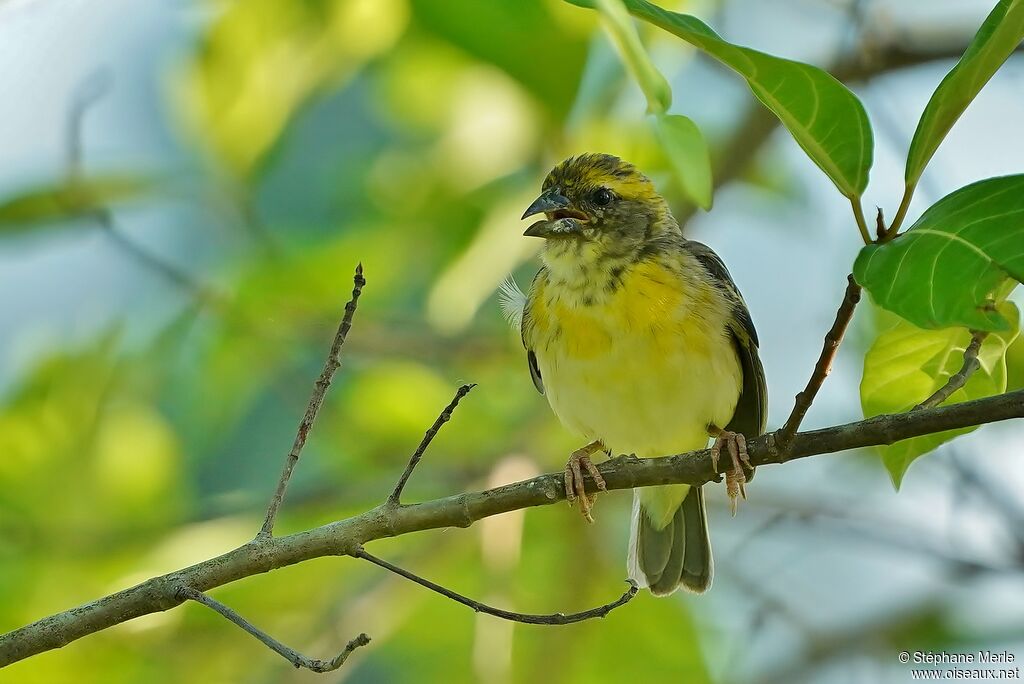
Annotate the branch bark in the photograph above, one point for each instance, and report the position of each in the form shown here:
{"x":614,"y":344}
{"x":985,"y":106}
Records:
{"x":346,"y":537}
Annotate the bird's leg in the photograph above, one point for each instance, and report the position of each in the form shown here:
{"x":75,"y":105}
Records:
{"x":574,"y":488}
{"x":735,"y":477}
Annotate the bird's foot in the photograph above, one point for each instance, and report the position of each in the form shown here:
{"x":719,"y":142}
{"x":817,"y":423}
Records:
{"x":736,"y":477}
{"x":574,"y":486}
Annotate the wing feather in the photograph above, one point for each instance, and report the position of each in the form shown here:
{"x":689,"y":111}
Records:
{"x":525,"y":323}
{"x":751,"y":415}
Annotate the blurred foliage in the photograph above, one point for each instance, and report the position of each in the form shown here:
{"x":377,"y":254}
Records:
{"x":54,"y":205}
{"x":408,"y":135}
{"x":261,"y":61}
{"x":686,"y":147}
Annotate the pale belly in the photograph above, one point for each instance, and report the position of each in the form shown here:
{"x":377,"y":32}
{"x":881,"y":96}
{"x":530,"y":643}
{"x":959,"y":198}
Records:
{"x":650,"y":392}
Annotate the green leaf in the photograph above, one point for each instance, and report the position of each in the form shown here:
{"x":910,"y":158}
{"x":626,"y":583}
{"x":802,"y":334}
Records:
{"x":687,"y":150}
{"x":50,"y":204}
{"x":997,"y":38}
{"x":907,"y":364}
{"x":944,"y":270}
{"x":620,"y":26}
{"x":825,"y":118}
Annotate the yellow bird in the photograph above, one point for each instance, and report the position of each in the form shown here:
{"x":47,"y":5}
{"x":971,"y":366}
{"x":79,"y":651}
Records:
{"x":642,"y":344}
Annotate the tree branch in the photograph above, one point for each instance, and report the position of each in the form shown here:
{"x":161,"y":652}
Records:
{"x":289,"y":654}
{"x":345,"y":537}
{"x":316,"y":399}
{"x":527,"y":618}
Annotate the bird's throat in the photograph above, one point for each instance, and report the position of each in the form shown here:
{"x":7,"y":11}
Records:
{"x":584,"y":269}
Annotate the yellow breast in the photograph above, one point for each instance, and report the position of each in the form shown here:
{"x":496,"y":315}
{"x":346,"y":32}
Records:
{"x":645,"y":366}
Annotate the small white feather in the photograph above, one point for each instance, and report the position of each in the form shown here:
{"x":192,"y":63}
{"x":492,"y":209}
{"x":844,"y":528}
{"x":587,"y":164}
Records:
{"x":512,"y":301}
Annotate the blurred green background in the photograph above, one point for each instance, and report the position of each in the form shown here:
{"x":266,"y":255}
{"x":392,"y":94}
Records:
{"x":153,"y":366}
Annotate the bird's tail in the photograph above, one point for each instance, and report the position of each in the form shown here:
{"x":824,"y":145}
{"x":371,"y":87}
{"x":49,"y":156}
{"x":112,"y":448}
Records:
{"x":676,"y":553}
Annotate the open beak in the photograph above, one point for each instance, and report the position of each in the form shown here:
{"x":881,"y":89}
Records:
{"x":562,"y":220}
{"x":550,"y":201}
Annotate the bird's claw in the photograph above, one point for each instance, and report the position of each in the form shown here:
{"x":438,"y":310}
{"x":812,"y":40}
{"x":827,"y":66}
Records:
{"x":574,"y":485}
{"x":735,"y":477}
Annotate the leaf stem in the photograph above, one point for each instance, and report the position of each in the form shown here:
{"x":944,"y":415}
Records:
{"x":901,"y":213}
{"x":862,"y":225}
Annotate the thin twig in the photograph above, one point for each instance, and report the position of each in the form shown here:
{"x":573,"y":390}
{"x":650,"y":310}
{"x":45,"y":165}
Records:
{"x":530,"y":619}
{"x":313,"y":407}
{"x":446,"y":415}
{"x":169,"y":271}
{"x":80,"y":200}
{"x":87,"y":94}
{"x":824,"y":365}
{"x":770,"y":603}
{"x":997,"y":499}
{"x":289,"y":654}
{"x":960,"y":378}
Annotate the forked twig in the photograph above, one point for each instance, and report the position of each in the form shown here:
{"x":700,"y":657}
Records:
{"x":316,"y":399}
{"x":286,"y":652}
{"x":527,"y":618}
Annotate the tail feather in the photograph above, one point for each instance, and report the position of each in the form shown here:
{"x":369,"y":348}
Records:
{"x":678,"y":554}
{"x":672,"y":538}
{"x":699,"y":564}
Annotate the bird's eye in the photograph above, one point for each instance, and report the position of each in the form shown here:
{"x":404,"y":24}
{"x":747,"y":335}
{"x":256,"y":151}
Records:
{"x":603,"y":197}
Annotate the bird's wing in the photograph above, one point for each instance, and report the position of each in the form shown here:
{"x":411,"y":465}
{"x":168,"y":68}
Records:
{"x":751,"y":413}
{"x":525,"y":323}
{"x":531,"y":360}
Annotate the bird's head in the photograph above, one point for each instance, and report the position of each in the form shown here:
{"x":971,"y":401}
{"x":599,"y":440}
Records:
{"x":600,"y":205}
